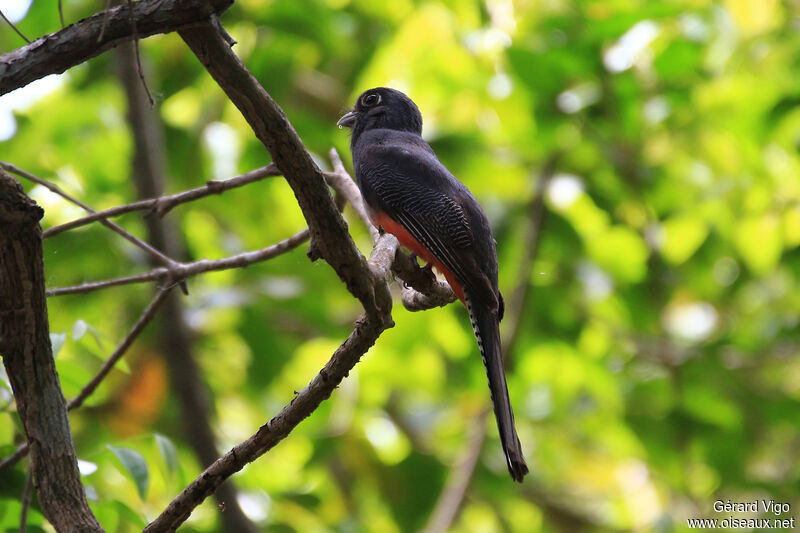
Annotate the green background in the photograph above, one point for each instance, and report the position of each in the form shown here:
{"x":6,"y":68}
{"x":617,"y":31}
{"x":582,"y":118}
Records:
{"x":657,"y":366}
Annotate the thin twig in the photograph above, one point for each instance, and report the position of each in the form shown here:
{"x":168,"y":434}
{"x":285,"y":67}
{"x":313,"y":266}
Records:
{"x":19,"y":453}
{"x":163,"y":204}
{"x":153,"y":275}
{"x":144,"y":319}
{"x":135,"y":37}
{"x":26,"y":501}
{"x":180,"y":271}
{"x":173,"y":277}
{"x":146,"y":316}
{"x":449,"y":502}
{"x":106,"y":14}
{"x":61,"y":13}
{"x":14,"y":28}
{"x":458,"y":481}
{"x":111,"y":225}
{"x":365,"y":332}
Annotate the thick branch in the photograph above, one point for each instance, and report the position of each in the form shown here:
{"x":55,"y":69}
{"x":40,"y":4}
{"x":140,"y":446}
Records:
{"x":28,"y":358}
{"x":144,"y":319}
{"x":56,"y":52}
{"x":328,"y":229}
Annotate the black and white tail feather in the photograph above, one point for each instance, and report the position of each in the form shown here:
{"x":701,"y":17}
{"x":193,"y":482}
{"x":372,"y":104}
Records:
{"x":486,"y":325}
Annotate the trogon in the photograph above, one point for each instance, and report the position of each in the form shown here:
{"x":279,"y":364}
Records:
{"x":410,"y":194}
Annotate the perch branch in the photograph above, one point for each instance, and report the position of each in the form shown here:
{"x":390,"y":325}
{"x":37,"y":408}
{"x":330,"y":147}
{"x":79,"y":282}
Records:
{"x":344,"y":184}
{"x":328,"y":230}
{"x":419,"y":291}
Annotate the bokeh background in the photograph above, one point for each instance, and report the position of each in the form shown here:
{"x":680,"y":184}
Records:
{"x":657,"y":367}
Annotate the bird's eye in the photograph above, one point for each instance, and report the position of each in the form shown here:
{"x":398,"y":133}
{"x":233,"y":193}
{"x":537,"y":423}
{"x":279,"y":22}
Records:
{"x":371,"y":99}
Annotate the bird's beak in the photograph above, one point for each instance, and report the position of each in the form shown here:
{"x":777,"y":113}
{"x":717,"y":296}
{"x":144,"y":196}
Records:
{"x":348,"y":120}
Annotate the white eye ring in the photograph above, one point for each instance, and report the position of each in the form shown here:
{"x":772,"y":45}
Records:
{"x":371,"y":99}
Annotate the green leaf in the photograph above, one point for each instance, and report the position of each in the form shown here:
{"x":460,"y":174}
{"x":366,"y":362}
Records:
{"x":711,"y":406}
{"x":621,"y":252}
{"x":135,"y":466}
{"x":683,"y":235}
{"x":168,"y":453}
{"x":759,"y":242}
{"x":130,"y":515}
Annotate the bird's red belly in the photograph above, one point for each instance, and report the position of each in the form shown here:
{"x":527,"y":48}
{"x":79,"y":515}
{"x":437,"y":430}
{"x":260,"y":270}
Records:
{"x":408,"y":241}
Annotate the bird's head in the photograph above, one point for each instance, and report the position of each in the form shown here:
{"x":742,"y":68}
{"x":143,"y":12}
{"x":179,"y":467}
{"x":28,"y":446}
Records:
{"x":383,"y":108}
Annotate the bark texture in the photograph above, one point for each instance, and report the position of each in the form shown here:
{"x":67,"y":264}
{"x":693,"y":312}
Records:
{"x":28,"y":358}
{"x":56,"y":52}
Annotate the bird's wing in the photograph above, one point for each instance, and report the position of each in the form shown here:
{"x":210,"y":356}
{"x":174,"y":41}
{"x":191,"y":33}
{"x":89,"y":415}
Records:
{"x":417,"y":191}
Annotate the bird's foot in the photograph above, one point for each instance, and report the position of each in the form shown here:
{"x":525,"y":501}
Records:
{"x":425,"y":273}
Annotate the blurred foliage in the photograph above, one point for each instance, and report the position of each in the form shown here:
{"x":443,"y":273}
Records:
{"x":658,"y":366}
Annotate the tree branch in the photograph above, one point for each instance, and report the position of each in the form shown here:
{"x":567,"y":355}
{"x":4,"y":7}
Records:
{"x":163,"y":204}
{"x":25,"y":500}
{"x":13,"y":27}
{"x":110,"y":225}
{"x":345,"y":185}
{"x":175,"y":340}
{"x":181,"y":271}
{"x":419,"y":290}
{"x":167,"y":277}
{"x":144,"y":319}
{"x":56,"y":52}
{"x":365,"y":333}
{"x":327,"y":227}
{"x":28,"y":358}
{"x":365,"y":280}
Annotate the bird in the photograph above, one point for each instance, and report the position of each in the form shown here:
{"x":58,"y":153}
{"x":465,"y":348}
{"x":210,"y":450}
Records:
{"x":409,"y":193}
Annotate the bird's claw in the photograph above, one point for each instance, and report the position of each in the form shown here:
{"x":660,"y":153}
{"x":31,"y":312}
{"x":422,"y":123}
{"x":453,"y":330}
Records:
{"x":425,"y":272}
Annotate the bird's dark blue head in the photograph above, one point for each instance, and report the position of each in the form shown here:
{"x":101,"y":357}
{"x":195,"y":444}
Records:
{"x":382,"y":108}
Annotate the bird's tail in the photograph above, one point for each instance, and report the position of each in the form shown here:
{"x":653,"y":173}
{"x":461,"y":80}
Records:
{"x":486,"y":325}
